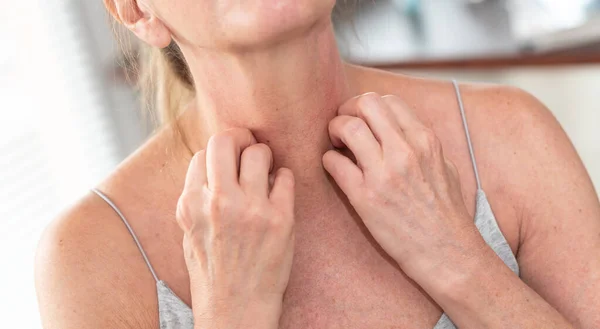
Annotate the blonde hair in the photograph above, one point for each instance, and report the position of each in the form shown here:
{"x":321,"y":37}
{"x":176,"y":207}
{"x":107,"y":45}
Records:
{"x":165,"y":81}
{"x":162,"y":79}
{"x":161,"y":76}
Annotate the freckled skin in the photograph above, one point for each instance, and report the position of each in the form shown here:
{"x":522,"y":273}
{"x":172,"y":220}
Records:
{"x":272,"y":67}
{"x":343,"y":279}
{"x":340,"y":276}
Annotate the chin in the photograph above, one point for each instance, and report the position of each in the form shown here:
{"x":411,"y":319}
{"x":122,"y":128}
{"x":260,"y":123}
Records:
{"x":263,"y":22}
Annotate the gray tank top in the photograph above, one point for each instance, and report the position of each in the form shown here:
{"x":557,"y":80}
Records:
{"x":175,"y":314}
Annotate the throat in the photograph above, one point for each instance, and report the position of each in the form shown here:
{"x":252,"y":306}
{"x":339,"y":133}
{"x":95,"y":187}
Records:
{"x":286,"y":95}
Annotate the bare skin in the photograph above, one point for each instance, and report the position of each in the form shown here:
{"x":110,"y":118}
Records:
{"x":91,"y":274}
{"x":147,"y":186}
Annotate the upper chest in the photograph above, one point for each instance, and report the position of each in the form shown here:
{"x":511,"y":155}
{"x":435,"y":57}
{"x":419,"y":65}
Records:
{"x":340,"y":275}
{"x":342,"y":278}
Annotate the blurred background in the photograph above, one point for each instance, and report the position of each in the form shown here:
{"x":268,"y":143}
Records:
{"x":69,"y":115}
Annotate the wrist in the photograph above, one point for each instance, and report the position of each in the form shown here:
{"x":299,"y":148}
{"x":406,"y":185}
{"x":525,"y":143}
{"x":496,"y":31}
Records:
{"x":455,"y":280}
{"x":230,"y":316}
{"x":464,"y":285}
{"x":452,"y":269}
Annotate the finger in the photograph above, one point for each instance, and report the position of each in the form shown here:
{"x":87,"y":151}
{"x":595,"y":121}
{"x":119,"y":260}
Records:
{"x":223,"y":157}
{"x":345,"y":173}
{"x":283,"y":191}
{"x":256,"y":163}
{"x":376,"y":113}
{"x":406,"y":118}
{"x":196,"y":174}
{"x":355,"y":134}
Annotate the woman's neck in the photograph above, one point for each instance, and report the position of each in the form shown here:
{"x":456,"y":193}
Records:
{"x":285,"y":94}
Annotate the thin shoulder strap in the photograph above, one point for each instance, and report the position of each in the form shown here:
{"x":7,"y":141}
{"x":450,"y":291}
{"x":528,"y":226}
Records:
{"x":466,"y":126}
{"x":137,"y":242}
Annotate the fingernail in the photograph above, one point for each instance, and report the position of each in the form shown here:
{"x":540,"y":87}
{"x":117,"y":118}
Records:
{"x":373,"y":101}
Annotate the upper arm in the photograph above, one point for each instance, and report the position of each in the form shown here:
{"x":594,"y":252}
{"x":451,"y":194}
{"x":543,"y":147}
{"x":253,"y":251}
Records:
{"x":559,"y":247}
{"x":83,"y":276}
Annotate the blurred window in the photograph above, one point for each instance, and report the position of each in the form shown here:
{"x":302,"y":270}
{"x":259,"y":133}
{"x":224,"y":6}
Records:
{"x":55,"y":136}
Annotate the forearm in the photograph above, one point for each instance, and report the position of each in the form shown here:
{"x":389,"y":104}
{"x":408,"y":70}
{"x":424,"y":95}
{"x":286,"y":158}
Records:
{"x":479,"y":291}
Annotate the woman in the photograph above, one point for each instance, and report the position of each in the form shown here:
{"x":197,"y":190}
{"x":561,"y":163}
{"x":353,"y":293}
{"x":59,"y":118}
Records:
{"x":313,"y":202}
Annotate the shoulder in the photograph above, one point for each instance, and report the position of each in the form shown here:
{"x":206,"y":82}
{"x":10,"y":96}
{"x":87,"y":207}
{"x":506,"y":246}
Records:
{"x":424,"y":92}
{"x":514,"y":111}
{"x":508,"y":125}
{"x":486,"y":105}
{"x":89,"y":273}
{"x":525,"y":159}
{"x":519,"y":141}
{"x":501,"y":118}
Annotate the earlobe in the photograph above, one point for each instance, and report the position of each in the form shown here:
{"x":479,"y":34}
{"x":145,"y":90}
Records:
{"x":147,"y":27}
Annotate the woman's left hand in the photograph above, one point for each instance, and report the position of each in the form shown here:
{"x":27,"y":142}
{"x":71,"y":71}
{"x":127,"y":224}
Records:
{"x":404,"y":189}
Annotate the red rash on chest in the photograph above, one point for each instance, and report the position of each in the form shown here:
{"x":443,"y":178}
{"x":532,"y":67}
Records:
{"x":342,"y":279}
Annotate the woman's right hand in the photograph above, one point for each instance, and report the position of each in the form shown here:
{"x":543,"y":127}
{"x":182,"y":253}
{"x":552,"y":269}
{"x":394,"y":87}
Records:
{"x":239,"y":236}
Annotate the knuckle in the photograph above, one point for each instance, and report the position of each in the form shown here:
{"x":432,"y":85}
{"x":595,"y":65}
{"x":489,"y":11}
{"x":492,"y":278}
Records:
{"x":427,"y":136}
{"x":185,"y":211}
{"x":392,"y":176}
{"x":429,"y":142}
{"x":277,"y":224}
{"x":184,"y":199}
{"x":409,"y":158}
{"x":219,"y":203}
{"x":428,"y":195}
{"x":365,"y":102}
{"x":372,"y":196}
{"x":255,"y":214}
{"x":261,"y":219}
{"x":354,"y":126}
